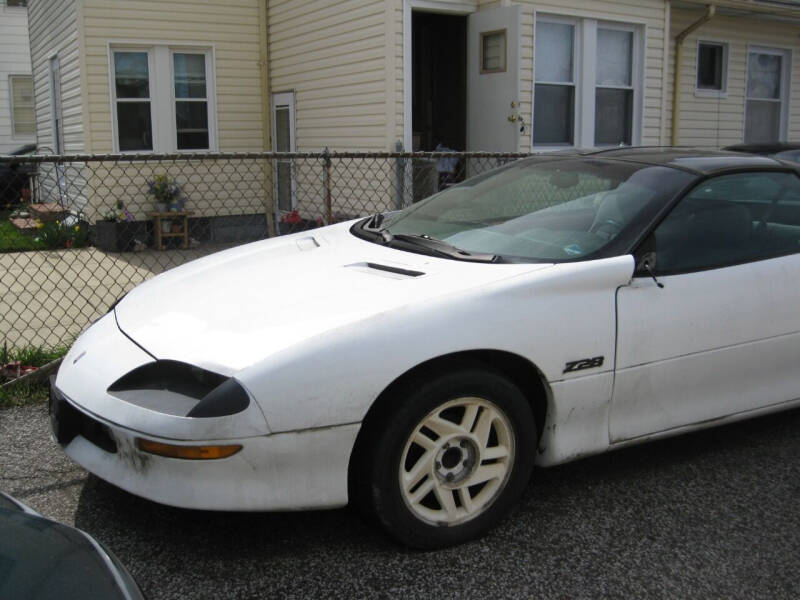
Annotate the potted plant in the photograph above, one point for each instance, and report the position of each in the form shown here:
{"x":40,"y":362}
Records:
{"x":167,"y":194}
{"x":117,"y":231}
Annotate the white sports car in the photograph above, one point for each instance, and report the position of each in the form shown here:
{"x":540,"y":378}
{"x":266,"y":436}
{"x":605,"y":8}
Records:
{"x":422,"y":362}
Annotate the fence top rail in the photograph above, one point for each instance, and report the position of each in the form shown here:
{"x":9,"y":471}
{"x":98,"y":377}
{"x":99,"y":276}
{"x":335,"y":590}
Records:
{"x":212,"y":156}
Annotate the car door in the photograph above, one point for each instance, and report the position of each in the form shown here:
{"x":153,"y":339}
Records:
{"x":722,"y":335}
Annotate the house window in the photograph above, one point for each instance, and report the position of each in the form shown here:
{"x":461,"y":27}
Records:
{"x":614,"y":87}
{"x":163,"y":99}
{"x":191,"y":101}
{"x":283,"y":141}
{"x":493,"y":51}
{"x":22,"y":113}
{"x":554,"y":92}
{"x":56,"y":117}
{"x":587,"y":83}
{"x":17,"y":3}
{"x":712,"y":68}
{"x":132,"y":91}
{"x":765,"y":101}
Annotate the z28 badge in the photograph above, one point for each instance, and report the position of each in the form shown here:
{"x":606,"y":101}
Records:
{"x":584,"y":363}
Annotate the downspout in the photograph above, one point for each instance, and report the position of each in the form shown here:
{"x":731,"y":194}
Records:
{"x":676,"y":97}
{"x":266,"y":112}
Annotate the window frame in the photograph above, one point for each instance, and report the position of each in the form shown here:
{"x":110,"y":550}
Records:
{"x":15,"y":135}
{"x":481,"y":51}
{"x":635,"y":86}
{"x":114,"y":100}
{"x":647,"y":245}
{"x":280,"y":100}
{"x":162,"y":93}
{"x":577,"y":50}
{"x":786,"y":75}
{"x":708,"y":92}
{"x":585,"y":74}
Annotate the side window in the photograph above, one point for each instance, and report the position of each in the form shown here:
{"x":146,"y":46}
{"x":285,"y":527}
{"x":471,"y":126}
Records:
{"x":730,"y":220}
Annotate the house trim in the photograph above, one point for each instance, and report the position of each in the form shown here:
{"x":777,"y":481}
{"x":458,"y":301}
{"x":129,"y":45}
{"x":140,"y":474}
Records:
{"x":160,"y":71}
{"x":457,"y":8}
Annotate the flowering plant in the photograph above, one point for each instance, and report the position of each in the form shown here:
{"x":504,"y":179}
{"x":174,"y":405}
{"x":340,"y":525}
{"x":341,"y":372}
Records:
{"x":120,"y":214}
{"x":62,"y":234}
{"x":166,"y":191}
{"x":292,"y":218}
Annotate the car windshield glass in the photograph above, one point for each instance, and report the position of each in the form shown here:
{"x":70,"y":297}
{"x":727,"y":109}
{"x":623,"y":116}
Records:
{"x":541,"y":209}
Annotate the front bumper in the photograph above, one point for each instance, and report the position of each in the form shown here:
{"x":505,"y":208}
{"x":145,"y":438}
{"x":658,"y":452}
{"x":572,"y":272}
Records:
{"x":287,"y":471}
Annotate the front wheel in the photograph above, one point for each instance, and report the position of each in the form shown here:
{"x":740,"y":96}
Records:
{"x":452,"y":457}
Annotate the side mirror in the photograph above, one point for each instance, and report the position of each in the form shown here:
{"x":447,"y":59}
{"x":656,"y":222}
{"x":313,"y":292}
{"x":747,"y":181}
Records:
{"x":646,"y":266}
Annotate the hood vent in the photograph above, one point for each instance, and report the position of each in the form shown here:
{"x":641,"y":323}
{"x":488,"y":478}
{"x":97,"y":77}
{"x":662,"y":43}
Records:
{"x":395,"y":270}
{"x":389,"y":271}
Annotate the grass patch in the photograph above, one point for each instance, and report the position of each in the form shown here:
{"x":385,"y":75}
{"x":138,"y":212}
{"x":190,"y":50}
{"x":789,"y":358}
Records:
{"x":27,"y":392}
{"x":33,"y":356}
{"x":11,"y":240}
{"x":23,"y":394}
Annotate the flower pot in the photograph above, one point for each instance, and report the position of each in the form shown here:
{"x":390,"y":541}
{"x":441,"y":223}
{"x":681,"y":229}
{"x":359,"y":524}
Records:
{"x":118,"y":237}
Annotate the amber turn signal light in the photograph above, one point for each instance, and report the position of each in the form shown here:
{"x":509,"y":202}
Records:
{"x":187,"y":452}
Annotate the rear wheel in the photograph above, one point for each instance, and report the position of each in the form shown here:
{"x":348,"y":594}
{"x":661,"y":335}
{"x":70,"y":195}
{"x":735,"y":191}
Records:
{"x":451,"y":459}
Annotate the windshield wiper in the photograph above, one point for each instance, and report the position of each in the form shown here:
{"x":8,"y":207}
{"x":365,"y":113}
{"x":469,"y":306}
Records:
{"x":374,"y":222}
{"x":433,"y":246}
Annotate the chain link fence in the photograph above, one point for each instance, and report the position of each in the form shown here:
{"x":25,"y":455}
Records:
{"x":77,"y":232}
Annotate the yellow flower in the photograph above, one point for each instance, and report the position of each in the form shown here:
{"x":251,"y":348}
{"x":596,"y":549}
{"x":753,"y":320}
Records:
{"x":39,"y":224}
{"x":77,"y":228}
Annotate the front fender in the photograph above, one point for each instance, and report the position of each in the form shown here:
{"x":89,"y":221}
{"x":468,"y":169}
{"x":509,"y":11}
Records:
{"x":550,"y":317}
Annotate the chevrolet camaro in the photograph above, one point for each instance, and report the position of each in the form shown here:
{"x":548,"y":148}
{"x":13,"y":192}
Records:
{"x":421,"y":363}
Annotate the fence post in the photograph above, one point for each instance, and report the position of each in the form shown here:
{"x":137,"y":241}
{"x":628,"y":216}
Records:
{"x":399,"y":175}
{"x":326,"y":154}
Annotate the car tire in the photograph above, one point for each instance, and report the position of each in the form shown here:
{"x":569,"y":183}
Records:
{"x":450,"y":457}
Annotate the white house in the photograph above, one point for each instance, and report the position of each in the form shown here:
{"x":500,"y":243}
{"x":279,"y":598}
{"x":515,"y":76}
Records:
{"x":485,"y":75}
{"x":17,"y":126}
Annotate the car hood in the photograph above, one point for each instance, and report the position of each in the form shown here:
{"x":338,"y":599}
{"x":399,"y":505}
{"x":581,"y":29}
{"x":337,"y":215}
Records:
{"x":229,"y":310}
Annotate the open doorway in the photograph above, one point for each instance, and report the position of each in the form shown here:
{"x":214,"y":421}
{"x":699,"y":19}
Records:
{"x":439,"y":96}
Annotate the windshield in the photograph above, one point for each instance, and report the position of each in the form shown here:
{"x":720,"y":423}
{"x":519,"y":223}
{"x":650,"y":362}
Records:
{"x":541,"y":209}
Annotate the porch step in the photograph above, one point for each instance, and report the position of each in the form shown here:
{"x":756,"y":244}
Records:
{"x":50,"y":211}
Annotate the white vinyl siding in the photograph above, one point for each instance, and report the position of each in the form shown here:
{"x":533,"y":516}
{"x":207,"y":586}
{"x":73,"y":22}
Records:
{"x":333,"y":54}
{"x":227,"y":29}
{"x":54,"y":32}
{"x":713,"y":122}
{"x":15,"y":62}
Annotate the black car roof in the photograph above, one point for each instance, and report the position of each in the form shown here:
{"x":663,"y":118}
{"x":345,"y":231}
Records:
{"x":764,"y":148}
{"x":700,"y":162}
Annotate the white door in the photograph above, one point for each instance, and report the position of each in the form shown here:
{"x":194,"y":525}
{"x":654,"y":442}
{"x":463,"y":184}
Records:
{"x":723,"y":334}
{"x":493,"y":44}
{"x":283,"y":140}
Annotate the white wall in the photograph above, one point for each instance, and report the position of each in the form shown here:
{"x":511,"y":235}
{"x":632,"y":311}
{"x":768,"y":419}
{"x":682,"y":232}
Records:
{"x":15,"y":59}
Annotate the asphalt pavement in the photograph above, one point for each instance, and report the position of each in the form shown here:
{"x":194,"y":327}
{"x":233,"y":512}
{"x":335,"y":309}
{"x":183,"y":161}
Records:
{"x":714,"y":514}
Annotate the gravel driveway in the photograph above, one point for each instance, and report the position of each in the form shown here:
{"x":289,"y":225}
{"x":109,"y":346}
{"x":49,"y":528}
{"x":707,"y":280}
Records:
{"x":712,"y":514}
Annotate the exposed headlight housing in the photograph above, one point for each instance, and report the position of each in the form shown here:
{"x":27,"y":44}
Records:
{"x":176,"y":388}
